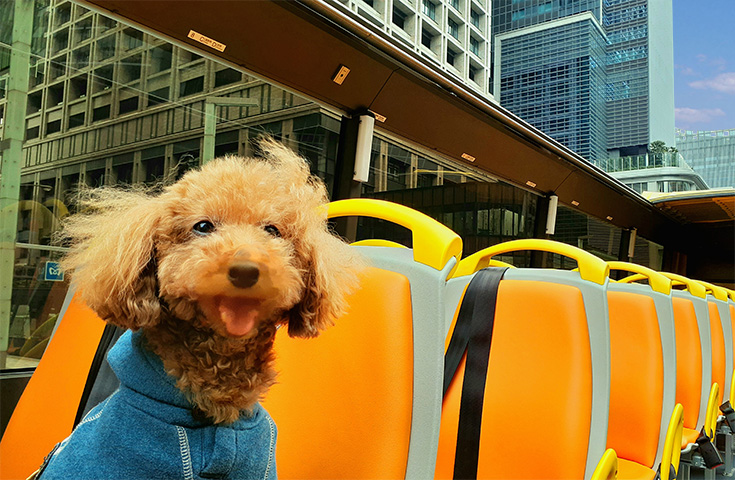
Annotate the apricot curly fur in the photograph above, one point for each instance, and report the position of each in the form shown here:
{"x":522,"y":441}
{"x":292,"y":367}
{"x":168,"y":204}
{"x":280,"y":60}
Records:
{"x":139,"y":265}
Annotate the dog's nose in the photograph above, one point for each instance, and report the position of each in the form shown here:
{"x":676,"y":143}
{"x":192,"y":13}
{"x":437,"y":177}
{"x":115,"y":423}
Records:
{"x":243,"y":274}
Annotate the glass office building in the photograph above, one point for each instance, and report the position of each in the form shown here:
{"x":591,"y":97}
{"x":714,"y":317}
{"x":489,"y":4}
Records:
{"x":635,"y":74}
{"x":553,"y":76}
{"x":711,"y":154}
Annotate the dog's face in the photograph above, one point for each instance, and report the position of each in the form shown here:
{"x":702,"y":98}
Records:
{"x":230,"y":246}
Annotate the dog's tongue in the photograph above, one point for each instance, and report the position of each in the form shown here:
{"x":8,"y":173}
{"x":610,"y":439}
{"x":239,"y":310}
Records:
{"x":239,"y":315}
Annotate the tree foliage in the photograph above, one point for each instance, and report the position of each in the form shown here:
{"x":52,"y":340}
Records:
{"x":659,"y":146}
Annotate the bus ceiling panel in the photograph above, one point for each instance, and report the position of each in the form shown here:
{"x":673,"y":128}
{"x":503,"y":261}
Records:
{"x":270,"y":40}
{"x":422,"y":112}
{"x":297,"y":47}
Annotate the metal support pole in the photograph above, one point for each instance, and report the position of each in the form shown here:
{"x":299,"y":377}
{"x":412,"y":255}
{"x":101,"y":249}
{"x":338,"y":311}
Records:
{"x":210,"y":128}
{"x":210,"y":120}
{"x":15,"y":112}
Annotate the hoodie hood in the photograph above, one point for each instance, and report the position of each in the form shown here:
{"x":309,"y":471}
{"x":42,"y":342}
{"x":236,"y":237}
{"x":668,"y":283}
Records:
{"x":143,"y":377}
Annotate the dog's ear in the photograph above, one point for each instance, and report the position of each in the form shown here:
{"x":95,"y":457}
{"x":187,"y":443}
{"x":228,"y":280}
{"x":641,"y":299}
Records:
{"x":112,"y":257}
{"x":331,"y":274}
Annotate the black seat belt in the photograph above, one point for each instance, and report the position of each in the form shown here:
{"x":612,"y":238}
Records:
{"x":472,"y":334}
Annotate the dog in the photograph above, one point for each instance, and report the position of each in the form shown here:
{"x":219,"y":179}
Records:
{"x":201,"y":275}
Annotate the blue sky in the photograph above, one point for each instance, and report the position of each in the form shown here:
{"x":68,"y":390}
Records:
{"x":704,"y":64}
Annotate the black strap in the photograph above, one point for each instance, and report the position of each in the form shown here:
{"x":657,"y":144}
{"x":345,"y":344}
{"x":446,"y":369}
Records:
{"x":707,"y":450}
{"x":109,"y":335}
{"x":473,"y":332}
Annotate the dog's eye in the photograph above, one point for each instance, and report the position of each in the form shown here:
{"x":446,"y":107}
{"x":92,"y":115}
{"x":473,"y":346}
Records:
{"x":205,"y":227}
{"x":273,"y":230}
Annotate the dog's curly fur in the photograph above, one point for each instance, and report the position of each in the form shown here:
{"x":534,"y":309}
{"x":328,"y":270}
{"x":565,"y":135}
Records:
{"x":140,"y":264}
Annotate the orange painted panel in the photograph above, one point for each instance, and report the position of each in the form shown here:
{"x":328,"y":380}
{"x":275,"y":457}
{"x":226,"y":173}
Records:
{"x":688,"y":360}
{"x":540,"y":357}
{"x":343,"y":401}
{"x":637,"y":378}
{"x":45,"y":413}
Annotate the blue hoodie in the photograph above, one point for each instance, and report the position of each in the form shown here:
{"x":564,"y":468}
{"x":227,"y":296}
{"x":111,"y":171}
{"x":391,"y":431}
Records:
{"x":145,"y":430}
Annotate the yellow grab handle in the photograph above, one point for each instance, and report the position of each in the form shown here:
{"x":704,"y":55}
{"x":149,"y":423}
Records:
{"x":694,"y":287}
{"x":731,"y":293}
{"x":607,"y":468}
{"x":658,"y":282}
{"x":433,"y":243}
{"x":710,"y":417}
{"x":591,"y":268}
{"x":718,"y":292}
{"x":377,"y":242}
{"x":672,"y":444}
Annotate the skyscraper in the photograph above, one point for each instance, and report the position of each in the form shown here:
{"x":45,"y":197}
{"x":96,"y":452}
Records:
{"x":614,"y":94}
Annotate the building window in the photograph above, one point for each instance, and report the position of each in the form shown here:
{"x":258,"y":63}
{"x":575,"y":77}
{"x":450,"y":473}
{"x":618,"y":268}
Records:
{"x":451,"y":57}
{"x":399,"y":18}
{"x":475,"y":46}
{"x":475,"y":18}
{"x":473,"y":74}
{"x":158,"y":96}
{"x":226,"y":77}
{"x":454,"y":4}
{"x":426,"y":38}
{"x":190,"y":87}
{"x":429,"y":9}
{"x":101,"y":113}
{"x":128,"y":105}
{"x":453,"y":28}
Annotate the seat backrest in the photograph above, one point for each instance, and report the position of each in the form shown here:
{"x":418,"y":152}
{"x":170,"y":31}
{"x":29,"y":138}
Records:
{"x":695,"y":294}
{"x":688,"y":361}
{"x":718,"y":349}
{"x":717,"y":300}
{"x":550,"y":359}
{"x":46,"y":412}
{"x":427,"y":265}
{"x":343,"y":401}
{"x":637,"y":375}
{"x":643,"y":355}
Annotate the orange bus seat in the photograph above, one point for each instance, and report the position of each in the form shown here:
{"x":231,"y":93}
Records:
{"x":637,"y":383}
{"x":540,"y":358}
{"x":343,"y":401}
{"x":688,"y":367}
{"x":643,"y":376}
{"x":550,"y":356}
{"x":45,"y":413}
{"x":718,"y":349}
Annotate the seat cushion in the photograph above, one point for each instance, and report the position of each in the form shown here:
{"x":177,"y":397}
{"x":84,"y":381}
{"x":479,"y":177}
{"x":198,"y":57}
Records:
{"x":628,"y":470}
{"x":688,"y":436}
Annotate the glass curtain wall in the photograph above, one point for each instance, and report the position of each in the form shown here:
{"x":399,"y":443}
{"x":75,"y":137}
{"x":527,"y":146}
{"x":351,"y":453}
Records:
{"x":94,"y":102}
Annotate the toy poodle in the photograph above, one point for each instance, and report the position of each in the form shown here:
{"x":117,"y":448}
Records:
{"x":202,"y":275}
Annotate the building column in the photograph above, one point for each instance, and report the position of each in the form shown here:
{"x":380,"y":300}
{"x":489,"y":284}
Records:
{"x":12,"y":158}
{"x":344,"y":171}
{"x":540,"y":259}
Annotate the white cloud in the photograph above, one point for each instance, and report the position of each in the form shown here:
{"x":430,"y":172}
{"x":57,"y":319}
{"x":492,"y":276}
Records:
{"x":724,"y":82}
{"x":688,"y":116}
{"x":687,"y":71}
